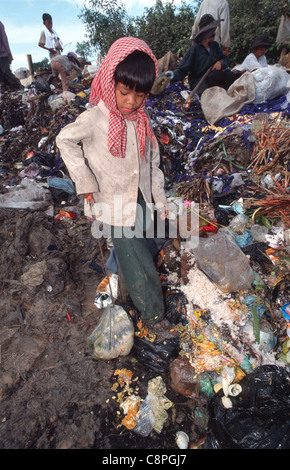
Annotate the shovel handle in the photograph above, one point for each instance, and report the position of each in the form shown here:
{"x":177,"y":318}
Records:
{"x":192,"y":93}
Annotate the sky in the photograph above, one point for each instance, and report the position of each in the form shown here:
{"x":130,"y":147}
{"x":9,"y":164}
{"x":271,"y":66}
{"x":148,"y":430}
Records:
{"x":22,"y":20}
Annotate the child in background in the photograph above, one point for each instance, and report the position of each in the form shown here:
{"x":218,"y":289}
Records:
{"x":256,"y":59}
{"x":62,"y":65}
{"x":112,"y":154}
{"x":49,"y":39}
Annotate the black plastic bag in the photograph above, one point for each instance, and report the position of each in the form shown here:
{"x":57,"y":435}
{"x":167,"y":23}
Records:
{"x":175,"y":307}
{"x":260,"y":416}
{"x":41,"y":158}
{"x":156,"y":356}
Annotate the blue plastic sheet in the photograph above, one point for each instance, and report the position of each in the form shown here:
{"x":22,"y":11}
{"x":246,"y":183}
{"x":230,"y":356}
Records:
{"x":166,"y":112}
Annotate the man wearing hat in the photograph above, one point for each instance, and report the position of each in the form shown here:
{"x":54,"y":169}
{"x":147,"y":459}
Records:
{"x":62,"y":65}
{"x":204,"y":54}
{"x":219,"y":9}
{"x":257,"y":58}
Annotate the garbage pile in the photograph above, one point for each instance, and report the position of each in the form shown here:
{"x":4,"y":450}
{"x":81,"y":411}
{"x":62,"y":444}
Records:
{"x":227,"y":296}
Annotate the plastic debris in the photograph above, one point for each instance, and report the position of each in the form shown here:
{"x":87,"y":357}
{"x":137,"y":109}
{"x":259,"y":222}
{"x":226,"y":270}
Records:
{"x":113,"y":336}
{"x":224,"y":263}
{"x":107,"y":291}
{"x":182,"y":440}
{"x":286,"y":313}
{"x":258,"y":418}
{"x":153,"y":412}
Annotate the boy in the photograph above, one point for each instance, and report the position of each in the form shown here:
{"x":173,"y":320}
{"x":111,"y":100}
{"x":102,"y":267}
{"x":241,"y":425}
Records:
{"x":112,"y":154}
{"x":49,"y":39}
{"x":63,"y":64}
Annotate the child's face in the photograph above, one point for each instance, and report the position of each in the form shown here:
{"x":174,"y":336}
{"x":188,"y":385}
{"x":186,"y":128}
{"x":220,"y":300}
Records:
{"x":48,"y":24}
{"x":260,"y":51}
{"x":128,"y":100}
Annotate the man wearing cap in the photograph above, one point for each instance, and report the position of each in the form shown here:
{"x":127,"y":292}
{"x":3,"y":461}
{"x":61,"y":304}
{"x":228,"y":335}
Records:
{"x":219,"y":9}
{"x":204,"y":54}
{"x":62,"y":65}
{"x":257,"y":58}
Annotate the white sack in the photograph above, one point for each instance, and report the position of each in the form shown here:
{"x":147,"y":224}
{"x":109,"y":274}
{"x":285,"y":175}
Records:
{"x":217,"y":103}
{"x":270,"y":82}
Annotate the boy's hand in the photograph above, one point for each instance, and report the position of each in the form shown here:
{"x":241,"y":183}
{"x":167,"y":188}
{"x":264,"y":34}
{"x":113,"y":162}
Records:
{"x":163,"y":213}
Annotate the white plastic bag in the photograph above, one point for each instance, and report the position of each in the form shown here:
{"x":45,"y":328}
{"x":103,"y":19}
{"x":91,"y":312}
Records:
{"x":55,"y":102}
{"x":270,"y":82}
{"x":113,"y":336}
{"x":27,"y":195}
{"x":107,"y":291}
{"x":153,"y":412}
{"x":68,"y":96}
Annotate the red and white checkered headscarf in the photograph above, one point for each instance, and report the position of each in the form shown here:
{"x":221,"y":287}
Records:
{"x":103,"y":88}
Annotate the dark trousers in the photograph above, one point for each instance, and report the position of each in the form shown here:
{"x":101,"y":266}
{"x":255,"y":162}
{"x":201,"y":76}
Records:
{"x":6,"y":76}
{"x":221,"y":78}
{"x":138,"y":269}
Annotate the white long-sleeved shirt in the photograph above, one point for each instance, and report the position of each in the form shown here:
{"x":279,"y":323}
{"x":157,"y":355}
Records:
{"x":251,"y":63}
{"x":112,"y":181}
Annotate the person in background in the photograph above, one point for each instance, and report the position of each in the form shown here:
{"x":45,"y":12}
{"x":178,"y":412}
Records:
{"x":283,"y":37}
{"x":204,"y":53}
{"x":219,"y":9}
{"x":283,"y":34}
{"x":6,"y":58}
{"x":257,"y":58}
{"x":62,"y":65}
{"x":113,"y":157}
{"x":49,"y":39}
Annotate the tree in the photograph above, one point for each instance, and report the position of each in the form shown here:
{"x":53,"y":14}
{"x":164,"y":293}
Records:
{"x":166,"y":28}
{"x":43,"y":64}
{"x":248,"y":20}
{"x":84,"y":49}
{"x":105,"y":21}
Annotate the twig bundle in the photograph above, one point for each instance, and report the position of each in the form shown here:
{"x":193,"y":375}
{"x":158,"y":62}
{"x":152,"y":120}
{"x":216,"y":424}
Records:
{"x":272,"y":145}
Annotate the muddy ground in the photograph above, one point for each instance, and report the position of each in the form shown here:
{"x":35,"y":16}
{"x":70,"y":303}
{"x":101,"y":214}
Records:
{"x":54,"y":395}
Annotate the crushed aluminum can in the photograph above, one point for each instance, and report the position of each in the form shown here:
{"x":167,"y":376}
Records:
{"x":102,"y":300}
{"x":107,"y":291}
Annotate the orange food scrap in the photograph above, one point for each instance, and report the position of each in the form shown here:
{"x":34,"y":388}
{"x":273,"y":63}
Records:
{"x":131,"y":407}
{"x":125,"y":376}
